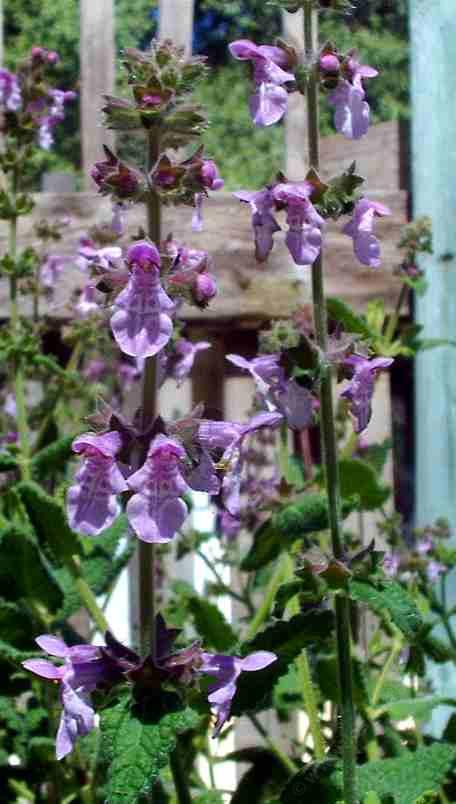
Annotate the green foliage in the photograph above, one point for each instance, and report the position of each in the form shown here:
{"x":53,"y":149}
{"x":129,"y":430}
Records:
{"x":286,"y":640}
{"x":211,"y":625}
{"x":359,"y":477}
{"x":292,"y":522}
{"x":319,"y":781}
{"x":419,"y":708}
{"x":23,"y":573}
{"x":53,"y":458}
{"x":265,"y":776}
{"x":137,"y":740}
{"x":388,"y":598}
{"x":343,"y":314}
{"x":49,"y":522}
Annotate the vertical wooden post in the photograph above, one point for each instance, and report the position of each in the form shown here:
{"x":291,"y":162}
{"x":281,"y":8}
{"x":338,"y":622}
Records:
{"x":1,"y":33}
{"x":433,"y":62}
{"x":97,"y":51}
{"x":176,"y":22}
{"x":296,"y":123}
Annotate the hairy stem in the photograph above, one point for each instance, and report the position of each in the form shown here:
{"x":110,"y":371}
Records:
{"x":146,"y":552}
{"x":180,"y":777}
{"x":329,"y":453}
{"x":88,"y":598}
{"x":264,"y":609}
{"x":285,"y":760}
{"x":19,"y":385}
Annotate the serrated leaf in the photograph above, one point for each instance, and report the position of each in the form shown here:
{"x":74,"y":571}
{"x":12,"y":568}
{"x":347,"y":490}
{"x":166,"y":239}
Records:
{"x":23,"y":572}
{"x":377,"y":455}
{"x":388,"y":597}
{"x":418,"y":708}
{"x":52,"y":458}
{"x":286,"y":640}
{"x":352,"y":322}
{"x":359,"y":477}
{"x":211,"y":625}
{"x":49,"y":522}
{"x":409,"y":776}
{"x":292,"y":522}
{"x":137,"y":740}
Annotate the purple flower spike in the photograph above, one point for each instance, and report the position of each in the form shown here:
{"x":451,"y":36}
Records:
{"x":264,"y":370}
{"x":226,"y":670}
{"x":263,"y":222}
{"x":91,"y":502}
{"x":360,"y":389}
{"x":269,"y":102}
{"x":141,"y":323}
{"x":351,"y":117}
{"x":366,"y":246}
{"x":186,"y":352}
{"x":156,"y":511}
{"x":83,"y":669}
{"x":86,"y":305}
{"x":304,"y":235}
{"x":51,"y":269}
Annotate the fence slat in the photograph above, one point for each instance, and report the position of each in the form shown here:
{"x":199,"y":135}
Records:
{"x":176,"y":22}
{"x":97,"y":53}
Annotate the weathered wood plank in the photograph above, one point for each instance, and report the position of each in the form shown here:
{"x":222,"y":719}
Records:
{"x":295,"y":121}
{"x":176,"y":22}
{"x":97,"y":54}
{"x":246,"y":291}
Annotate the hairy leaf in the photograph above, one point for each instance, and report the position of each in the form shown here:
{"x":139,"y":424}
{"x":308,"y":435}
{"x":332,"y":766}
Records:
{"x":286,"y":640}
{"x":137,"y":739}
{"x":352,"y":322}
{"x":409,"y":776}
{"x":211,"y":625}
{"x":387,"y":597}
{"x":23,"y":572}
{"x":52,"y":458}
{"x":418,"y":708}
{"x":49,"y":522}
{"x":359,"y":477}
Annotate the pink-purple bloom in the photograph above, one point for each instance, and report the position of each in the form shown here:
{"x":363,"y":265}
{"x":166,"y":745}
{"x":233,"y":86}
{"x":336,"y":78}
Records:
{"x":83,"y":668}
{"x":92,"y":503}
{"x":226,"y":671}
{"x":157,"y":511}
{"x":434,"y":570}
{"x":263,"y":222}
{"x":52,"y":268}
{"x":360,"y":389}
{"x":183,"y":358}
{"x":351,"y":116}
{"x":391,"y":564}
{"x":210,"y":179}
{"x":269,"y":102}
{"x":304,"y":233}
{"x":360,"y":228}
{"x":87,"y":305}
{"x":10,"y":91}
{"x":141,"y":323}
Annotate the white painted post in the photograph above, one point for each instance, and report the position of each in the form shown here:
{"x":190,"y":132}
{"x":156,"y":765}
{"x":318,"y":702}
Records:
{"x":97,"y":53}
{"x":176,"y":22}
{"x":296,"y":163}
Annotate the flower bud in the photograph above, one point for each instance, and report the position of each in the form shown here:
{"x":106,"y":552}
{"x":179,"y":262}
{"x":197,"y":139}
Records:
{"x":205,"y":288}
{"x":329,"y":63}
{"x":143,"y":254}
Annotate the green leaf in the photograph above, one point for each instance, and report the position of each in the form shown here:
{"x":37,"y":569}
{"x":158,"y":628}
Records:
{"x":352,"y":322}
{"x":8,"y":462}
{"x":292,"y":522}
{"x":211,"y":625}
{"x":377,"y":455}
{"x":317,"y":782}
{"x":49,"y":522}
{"x":23,"y":572}
{"x":137,"y":739}
{"x":409,"y":776}
{"x":286,"y":640}
{"x":52,"y":458}
{"x":418,"y":708}
{"x":359,"y":477}
{"x":388,"y":597}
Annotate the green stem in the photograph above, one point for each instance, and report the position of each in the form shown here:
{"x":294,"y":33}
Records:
{"x":329,"y":453}
{"x":394,"y":320}
{"x":180,"y":777}
{"x":146,"y":552}
{"x":287,"y":763}
{"x":394,"y":653}
{"x":86,"y":594}
{"x":262,"y":612}
{"x":223,"y":587}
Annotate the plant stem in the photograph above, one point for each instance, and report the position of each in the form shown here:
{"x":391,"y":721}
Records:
{"x":271,"y":590}
{"x":226,"y":589}
{"x":21,"y":417}
{"x":394,"y":320}
{"x":86,"y":594}
{"x":394,"y":653}
{"x":287,"y":763}
{"x":146,"y":551}
{"x":179,"y":777}
{"x":329,"y":453}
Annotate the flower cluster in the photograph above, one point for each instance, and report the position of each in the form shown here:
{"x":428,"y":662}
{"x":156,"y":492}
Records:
{"x":277,"y":71}
{"x":426,"y":561}
{"x":87,"y":668}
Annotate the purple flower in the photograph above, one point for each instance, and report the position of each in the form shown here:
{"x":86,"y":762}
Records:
{"x":157,"y":511}
{"x":86,"y":304}
{"x":226,"y":670}
{"x":51,"y":269}
{"x":351,"y":117}
{"x":304,"y":234}
{"x":185,"y":353}
{"x":141,"y":323}
{"x":95,"y":369}
{"x":210,"y":179}
{"x":424,"y":546}
{"x":92,"y":502}
{"x":84,"y":667}
{"x":10,"y":92}
{"x":10,"y":406}
{"x":391,"y":564}
{"x":365,"y":244}
{"x":360,"y":389}
{"x":269,"y":102}
{"x":117,"y":179}
{"x":263,"y":222}
{"x":264,"y":370}
{"x":434,"y":570}
{"x":119,"y":214}
{"x":229,"y":525}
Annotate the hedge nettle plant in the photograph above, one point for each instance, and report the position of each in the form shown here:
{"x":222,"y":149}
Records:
{"x":305,"y":642}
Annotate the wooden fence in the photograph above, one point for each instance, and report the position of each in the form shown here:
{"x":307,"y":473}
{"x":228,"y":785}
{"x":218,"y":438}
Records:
{"x":248,"y":295}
